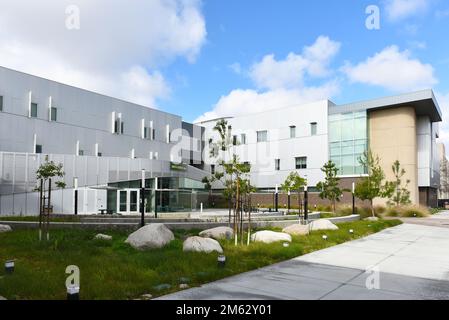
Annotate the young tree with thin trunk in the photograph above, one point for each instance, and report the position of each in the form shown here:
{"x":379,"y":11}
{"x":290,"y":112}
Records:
{"x":401,"y":194}
{"x":372,"y":186}
{"x":294,"y":183}
{"x":330,"y":188}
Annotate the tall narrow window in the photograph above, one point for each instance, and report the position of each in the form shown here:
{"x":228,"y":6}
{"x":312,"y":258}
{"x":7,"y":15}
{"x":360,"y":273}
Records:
{"x":301,"y":163}
{"x":234,"y":140}
{"x":153,"y":134}
{"x":53,"y":114}
{"x":277,"y":164}
{"x":1,"y":103}
{"x":262,"y":136}
{"x":313,"y":128}
{"x":212,"y":169}
{"x":243,"y":138}
{"x":145,"y":133}
{"x":122,"y":127}
{"x":116,"y":126}
{"x":33,"y":110}
{"x":38,"y":148}
{"x":292,"y":132}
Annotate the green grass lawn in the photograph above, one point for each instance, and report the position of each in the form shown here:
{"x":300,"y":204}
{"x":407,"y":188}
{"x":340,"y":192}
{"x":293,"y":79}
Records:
{"x":114,"y":270}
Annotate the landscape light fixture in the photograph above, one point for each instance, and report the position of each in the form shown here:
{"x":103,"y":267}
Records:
{"x":73,"y":292}
{"x":286,"y":244}
{"x":324,"y":237}
{"x":351,"y":231}
{"x":221,"y":261}
{"x":9,"y":267}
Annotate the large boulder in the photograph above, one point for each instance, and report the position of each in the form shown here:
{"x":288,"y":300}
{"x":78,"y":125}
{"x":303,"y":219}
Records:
{"x":218,"y":233}
{"x":297,"y":230}
{"x":322,"y":224}
{"x":4,"y":228}
{"x":151,"y":236}
{"x":200,"y":244}
{"x":270,"y":236}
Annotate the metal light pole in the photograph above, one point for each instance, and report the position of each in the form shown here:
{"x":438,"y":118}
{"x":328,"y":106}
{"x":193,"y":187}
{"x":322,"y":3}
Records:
{"x":142,"y":199}
{"x":276,"y":199}
{"x":288,"y":200}
{"x":75,"y":188}
{"x":353,"y":198}
{"x":306,"y":199}
{"x":155,"y":197}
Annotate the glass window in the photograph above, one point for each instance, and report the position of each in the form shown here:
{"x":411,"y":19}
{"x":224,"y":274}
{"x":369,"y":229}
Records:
{"x":262,"y":136}
{"x":154,"y":135}
{"x":234,"y":140}
{"x":335,"y":131}
{"x":1,"y":103}
{"x":243,"y":138}
{"x":116,"y":126}
{"x":54,"y":114}
{"x":292,"y":132}
{"x":38,"y":148}
{"x":301,"y":162}
{"x":212,"y":168}
{"x":313,"y":128}
{"x":145,"y":133}
{"x":348,"y":140}
{"x":81,"y":152}
{"x":33,"y":110}
{"x":277,"y":164}
{"x":122,"y":127}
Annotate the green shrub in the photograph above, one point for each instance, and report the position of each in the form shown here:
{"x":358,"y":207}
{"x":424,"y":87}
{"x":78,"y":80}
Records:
{"x":407,"y":212}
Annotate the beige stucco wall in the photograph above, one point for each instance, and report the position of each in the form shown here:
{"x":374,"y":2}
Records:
{"x":392,"y":134}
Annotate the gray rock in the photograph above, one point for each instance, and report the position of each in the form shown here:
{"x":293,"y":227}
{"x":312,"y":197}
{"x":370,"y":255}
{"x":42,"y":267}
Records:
{"x":270,"y":236}
{"x":103,"y":237}
{"x":5,"y":228}
{"x":152,"y":236}
{"x":146,"y":296}
{"x":297,"y":230}
{"x":322,"y":224}
{"x":163,"y":286}
{"x":199,"y":244}
{"x":183,"y":286}
{"x":218,"y":233}
{"x":3,"y":298}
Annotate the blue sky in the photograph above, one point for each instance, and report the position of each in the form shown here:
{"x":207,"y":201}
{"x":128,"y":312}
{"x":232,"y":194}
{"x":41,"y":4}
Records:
{"x":242,"y":32}
{"x":211,"y":58}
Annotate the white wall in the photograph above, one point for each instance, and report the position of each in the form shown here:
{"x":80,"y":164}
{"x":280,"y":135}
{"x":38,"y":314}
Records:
{"x":280,"y":145}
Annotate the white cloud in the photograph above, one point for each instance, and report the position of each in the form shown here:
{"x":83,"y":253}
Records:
{"x":240,"y":101}
{"x":289,"y":73}
{"x":236,"y":68}
{"x":393,"y":70}
{"x":117,"y":51}
{"x":281,"y":83}
{"x":401,"y":9}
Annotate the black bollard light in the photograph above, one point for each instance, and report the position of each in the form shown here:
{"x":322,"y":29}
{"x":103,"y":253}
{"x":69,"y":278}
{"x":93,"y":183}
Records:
{"x":221,"y":261}
{"x":73,"y":293}
{"x":9,"y":267}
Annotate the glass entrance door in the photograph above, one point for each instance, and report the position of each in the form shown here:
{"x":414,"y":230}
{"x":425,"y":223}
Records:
{"x":128,"y":201}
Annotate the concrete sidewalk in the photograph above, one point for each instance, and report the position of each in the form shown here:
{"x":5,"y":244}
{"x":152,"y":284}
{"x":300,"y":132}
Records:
{"x":413,"y":262}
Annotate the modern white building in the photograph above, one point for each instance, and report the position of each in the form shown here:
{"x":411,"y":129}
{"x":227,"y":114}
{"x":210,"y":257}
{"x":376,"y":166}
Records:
{"x":305,"y":137}
{"x":104,"y":143}
{"x":101,"y":141}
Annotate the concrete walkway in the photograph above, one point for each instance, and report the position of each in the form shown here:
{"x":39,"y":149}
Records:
{"x":437,"y":220}
{"x":412,"y":260}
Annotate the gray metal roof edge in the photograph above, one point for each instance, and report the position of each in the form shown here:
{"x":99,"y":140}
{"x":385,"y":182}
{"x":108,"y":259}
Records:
{"x":384,"y":102}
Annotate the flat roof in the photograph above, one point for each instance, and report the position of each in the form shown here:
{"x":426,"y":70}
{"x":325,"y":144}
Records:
{"x":424,"y":102}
